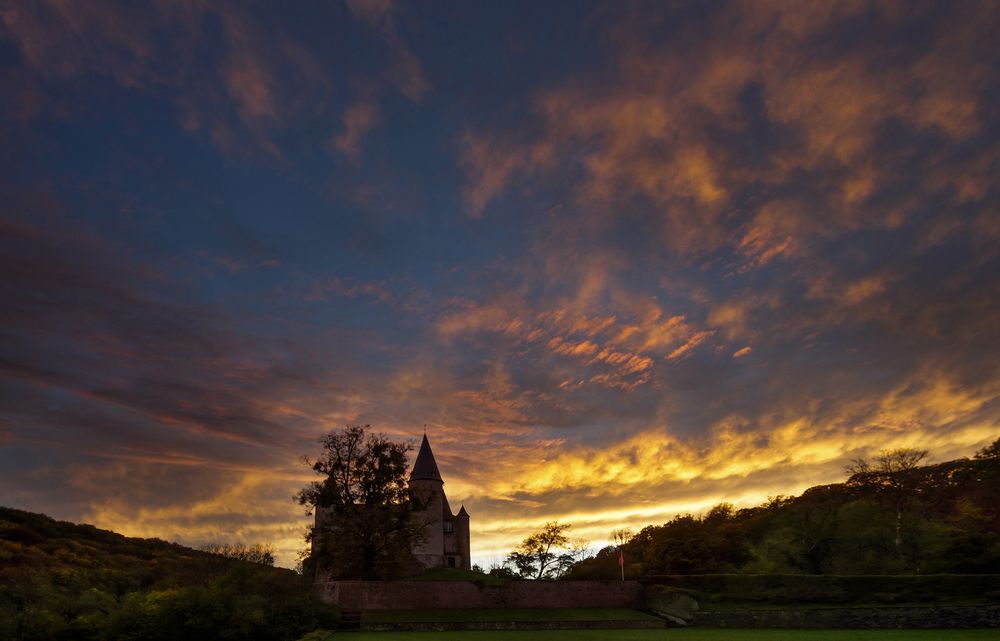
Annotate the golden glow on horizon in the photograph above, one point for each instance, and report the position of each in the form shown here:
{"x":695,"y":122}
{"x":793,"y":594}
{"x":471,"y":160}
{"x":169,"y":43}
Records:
{"x":645,"y":479}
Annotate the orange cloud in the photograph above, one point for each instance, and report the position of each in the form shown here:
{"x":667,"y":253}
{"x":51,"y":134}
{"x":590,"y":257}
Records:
{"x":358,"y":120}
{"x":647,"y":134}
{"x":490,"y":166}
{"x":691,"y":343}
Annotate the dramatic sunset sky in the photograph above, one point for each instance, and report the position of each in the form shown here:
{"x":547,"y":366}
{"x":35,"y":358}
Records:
{"x":624,"y":260}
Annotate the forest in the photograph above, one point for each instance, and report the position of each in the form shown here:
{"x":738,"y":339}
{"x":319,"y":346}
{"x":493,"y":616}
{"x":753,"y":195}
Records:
{"x":890,"y":516}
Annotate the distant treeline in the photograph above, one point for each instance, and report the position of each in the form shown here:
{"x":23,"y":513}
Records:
{"x":59,"y":580}
{"x":887,"y":519}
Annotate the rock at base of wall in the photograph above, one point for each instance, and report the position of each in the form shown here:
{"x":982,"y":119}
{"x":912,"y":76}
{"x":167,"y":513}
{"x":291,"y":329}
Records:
{"x":672,"y":604}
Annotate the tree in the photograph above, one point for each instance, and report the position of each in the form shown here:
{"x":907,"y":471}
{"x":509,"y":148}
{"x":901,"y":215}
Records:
{"x":891,"y":474}
{"x":716,"y":543}
{"x":886,"y":468}
{"x":990,"y":452}
{"x":988,"y":459}
{"x":580,"y":549}
{"x":621,"y":537}
{"x":537,"y":556}
{"x":262,"y":553}
{"x":368,"y":531}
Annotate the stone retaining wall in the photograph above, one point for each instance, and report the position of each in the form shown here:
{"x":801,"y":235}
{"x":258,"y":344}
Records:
{"x":405,"y":595}
{"x":955,"y":616}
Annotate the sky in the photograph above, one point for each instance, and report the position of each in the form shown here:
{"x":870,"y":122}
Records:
{"x":623,"y":261}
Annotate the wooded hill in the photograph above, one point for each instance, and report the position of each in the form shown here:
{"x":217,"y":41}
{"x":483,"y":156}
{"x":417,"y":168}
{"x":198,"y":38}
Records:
{"x":62,"y":580}
{"x":942,"y":518}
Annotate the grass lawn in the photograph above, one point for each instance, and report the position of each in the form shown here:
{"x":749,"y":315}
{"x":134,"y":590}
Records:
{"x":451,"y":616}
{"x":729,"y":606}
{"x":679,"y":635}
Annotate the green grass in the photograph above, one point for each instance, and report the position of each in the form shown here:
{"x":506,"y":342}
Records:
{"x":730,"y":606}
{"x":678,"y":635}
{"x":453,"y":616}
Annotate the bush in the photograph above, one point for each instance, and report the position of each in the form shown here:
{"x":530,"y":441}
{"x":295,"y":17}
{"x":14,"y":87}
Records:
{"x":245,"y":603}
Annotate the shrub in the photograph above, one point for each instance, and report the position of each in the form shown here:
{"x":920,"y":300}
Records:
{"x":245,"y":603}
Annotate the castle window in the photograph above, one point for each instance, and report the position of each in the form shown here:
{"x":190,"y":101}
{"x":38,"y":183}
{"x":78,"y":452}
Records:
{"x":449,"y":527}
{"x":451,"y":561}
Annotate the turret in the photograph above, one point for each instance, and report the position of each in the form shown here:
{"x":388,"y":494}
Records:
{"x":428,"y":487}
{"x":462,"y":535}
{"x":425,"y":468}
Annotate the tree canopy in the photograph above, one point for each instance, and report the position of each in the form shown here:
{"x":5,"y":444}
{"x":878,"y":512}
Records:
{"x":545,"y":554}
{"x":990,"y":452}
{"x":262,"y":553}
{"x":366,"y":529}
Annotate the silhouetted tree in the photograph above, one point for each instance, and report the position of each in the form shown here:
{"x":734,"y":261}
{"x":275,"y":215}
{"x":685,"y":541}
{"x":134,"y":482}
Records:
{"x":689,"y":545}
{"x":262,"y":553}
{"x":621,"y":537}
{"x":890,"y":473}
{"x":538,"y":556}
{"x":990,"y":452}
{"x":368,"y":532}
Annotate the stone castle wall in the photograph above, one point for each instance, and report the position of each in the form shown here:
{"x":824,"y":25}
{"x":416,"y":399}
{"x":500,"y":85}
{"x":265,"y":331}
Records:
{"x":404,"y":595}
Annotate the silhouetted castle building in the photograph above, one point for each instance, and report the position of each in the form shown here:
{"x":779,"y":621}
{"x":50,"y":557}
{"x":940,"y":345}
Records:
{"x":446,"y":536}
{"x":446,"y":541}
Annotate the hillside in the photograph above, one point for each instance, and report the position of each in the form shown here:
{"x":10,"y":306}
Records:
{"x":111,"y":561}
{"x":942,"y":518}
{"x":63,"y":580}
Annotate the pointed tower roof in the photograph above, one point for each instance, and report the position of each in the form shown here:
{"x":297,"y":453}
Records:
{"x":462,"y":512}
{"x":425,"y":468}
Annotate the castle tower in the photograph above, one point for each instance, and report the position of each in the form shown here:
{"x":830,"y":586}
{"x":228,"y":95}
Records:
{"x":446,"y":536}
{"x":462,"y":538}
{"x":428,"y":488}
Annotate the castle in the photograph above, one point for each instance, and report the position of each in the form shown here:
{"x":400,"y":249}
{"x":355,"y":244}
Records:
{"x":446,"y":540}
{"x":446,"y":536}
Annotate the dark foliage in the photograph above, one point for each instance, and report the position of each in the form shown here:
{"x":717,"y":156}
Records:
{"x":59,"y":580}
{"x":990,"y":453}
{"x":368,"y":530}
{"x":261,"y":553}
{"x":886,"y":519}
{"x":543,"y":555}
